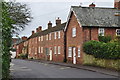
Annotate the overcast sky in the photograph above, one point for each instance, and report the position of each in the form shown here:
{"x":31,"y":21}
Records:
{"x":44,"y":11}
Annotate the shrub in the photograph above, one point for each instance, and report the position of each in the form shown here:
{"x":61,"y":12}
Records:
{"x":23,"y":56}
{"x":104,"y":38}
{"x":102,"y":50}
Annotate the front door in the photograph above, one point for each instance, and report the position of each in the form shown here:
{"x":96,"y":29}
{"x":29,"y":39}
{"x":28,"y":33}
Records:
{"x":74,"y":55}
{"x":50,"y":55}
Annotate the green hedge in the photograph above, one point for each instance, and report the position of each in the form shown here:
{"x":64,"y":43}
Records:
{"x":104,"y":38}
{"x":23,"y":56}
{"x":102,"y":50}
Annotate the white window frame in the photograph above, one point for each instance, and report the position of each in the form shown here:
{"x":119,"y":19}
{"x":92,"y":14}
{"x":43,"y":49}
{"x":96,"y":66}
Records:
{"x":55,"y":35}
{"x":47,"y":37}
{"x":79,"y":52}
{"x":74,"y":32}
{"x":41,"y":49}
{"x":29,"y":50}
{"x":55,"y":47}
{"x":59,"y":49}
{"x":69,"y":51}
{"x":101,"y":31}
{"x":117,"y":32}
{"x":58,"y":34}
{"x":36,"y":39}
{"x":41,"y":38}
{"x":35,"y":50}
{"x":50,"y":36}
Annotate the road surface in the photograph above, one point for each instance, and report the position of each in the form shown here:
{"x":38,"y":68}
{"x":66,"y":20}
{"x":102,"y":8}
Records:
{"x":32,"y":69}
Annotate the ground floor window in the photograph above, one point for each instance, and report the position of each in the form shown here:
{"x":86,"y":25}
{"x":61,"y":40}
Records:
{"x":69,"y":51}
{"x":58,"y":49}
{"x":78,"y":51}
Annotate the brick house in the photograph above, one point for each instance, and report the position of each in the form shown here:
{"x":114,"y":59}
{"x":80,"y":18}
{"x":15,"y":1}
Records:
{"x":87,"y":23}
{"x":48,"y":44}
{"x":20,"y":46}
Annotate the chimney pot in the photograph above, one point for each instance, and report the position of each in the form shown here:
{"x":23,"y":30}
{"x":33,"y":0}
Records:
{"x":92,"y":5}
{"x":117,"y":4}
{"x":40,"y":28}
{"x":24,"y":38}
{"x":37,"y":30}
{"x":33,"y":32}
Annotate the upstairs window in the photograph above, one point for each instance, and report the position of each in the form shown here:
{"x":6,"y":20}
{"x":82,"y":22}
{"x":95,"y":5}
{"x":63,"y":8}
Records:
{"x":50,"y":36}
{"x":117,"y":32}
{"x":73,"y":32}
{"x":47,"y":37}
{"x":101,"y":31}
{"x":58,"y":34}
{"x":55,"y":35}
{"x":41,"y":38}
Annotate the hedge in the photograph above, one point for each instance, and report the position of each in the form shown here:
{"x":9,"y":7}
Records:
{"x":102,"y":50}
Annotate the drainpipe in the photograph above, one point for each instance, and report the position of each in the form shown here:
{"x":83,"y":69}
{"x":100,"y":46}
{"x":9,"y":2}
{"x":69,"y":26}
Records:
{"x":65,"y":58}
{"x":90,"y":33}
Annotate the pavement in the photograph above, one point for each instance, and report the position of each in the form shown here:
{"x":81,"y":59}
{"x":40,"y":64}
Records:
{"x":78,"y":66}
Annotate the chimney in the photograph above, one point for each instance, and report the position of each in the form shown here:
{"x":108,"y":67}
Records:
{"x":49,"y":25}
{"x":117,"y":4}
{"x":37,"y":30}
{"x":33,"y":32}
{"x":40,"y":28}
{"x":58,"y":21}
{"x":92,"y":5}
{"x":24,"y":38}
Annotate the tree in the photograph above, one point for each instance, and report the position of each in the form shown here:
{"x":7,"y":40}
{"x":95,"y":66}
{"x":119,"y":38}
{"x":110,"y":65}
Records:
{"x":14,"y":17}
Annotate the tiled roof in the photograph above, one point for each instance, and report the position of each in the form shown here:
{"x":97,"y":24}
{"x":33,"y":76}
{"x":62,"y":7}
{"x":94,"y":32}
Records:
{"x":47,"y":31}
{"x":95,"y":16}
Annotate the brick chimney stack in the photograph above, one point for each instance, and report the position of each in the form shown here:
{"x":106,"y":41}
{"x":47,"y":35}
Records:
{"x":24,"y":38}
{"x":33,"y":32}
{"x":37,"y":30}
{"x":49,"y":25}
{"x":117,"y":4}
{"x":40,"y":28}
{"x":92,"y":5}
{"x":58,"y":21}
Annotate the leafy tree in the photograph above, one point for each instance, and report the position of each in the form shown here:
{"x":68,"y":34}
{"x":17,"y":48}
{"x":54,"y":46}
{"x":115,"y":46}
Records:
{"x":14,"y":17}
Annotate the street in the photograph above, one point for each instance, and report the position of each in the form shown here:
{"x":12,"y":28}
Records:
{"x":31,"y":69}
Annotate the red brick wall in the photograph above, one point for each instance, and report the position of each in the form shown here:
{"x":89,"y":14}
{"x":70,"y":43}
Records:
{"x":19,"y":49}
{"x":52,"y":43}
{"x":74,"y":41}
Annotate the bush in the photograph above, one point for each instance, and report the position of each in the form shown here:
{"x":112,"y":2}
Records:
{"x":23,"y":56}
{"x":104,"y":38}
{"x":102,"y":50}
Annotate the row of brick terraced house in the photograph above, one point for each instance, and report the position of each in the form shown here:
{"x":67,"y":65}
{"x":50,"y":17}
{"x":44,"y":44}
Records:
{"x":64,"y":41}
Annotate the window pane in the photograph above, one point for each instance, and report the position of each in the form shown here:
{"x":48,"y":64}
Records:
{"x":59,"y":34}
{"x":70,"y":52}
{"x":73,"y":32}
{"x":78,"y":51}
{"x":118,"y":32}
{"x":58,"y":49}
{"x":101,"y":31}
